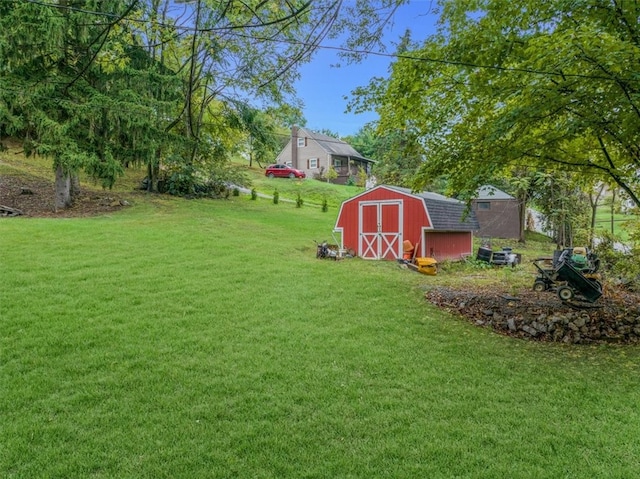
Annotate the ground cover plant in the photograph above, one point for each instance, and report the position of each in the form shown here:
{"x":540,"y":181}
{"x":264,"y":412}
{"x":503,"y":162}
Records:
{"x":203,"y":339}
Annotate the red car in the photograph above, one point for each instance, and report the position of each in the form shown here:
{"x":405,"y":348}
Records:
{"x":283,"y":171}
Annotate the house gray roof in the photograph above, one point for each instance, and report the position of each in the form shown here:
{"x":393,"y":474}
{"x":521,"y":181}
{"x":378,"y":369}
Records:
{"x":488,"y":192}
{"x":447,"y":214}
{"x":336,"y":147}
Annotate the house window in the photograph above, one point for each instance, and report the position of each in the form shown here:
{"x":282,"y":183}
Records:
{"x":484,"y":205}
{"x":337,"y":162}
{"x":313,"y":162}
{"x":302,"y":141}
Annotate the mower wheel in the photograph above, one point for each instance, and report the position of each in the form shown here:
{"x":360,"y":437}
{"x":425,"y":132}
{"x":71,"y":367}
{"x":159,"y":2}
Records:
{"x":539,"y":286}
{"x":565,"y":293}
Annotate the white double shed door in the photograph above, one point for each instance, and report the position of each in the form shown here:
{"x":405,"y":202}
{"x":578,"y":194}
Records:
{"x":380,"y":229}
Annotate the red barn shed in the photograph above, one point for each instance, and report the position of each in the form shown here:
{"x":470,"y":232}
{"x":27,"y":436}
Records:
{"x":375,"y":224}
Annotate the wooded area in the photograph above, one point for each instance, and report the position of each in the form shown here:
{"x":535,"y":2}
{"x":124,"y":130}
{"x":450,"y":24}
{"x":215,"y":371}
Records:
{"x":175,"y":86}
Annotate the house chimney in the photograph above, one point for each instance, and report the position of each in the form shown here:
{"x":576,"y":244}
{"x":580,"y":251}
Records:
{"x":294,"y":146}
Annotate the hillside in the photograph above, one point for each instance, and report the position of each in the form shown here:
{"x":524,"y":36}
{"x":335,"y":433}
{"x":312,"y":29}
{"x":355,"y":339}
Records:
{"x":26,"y":184}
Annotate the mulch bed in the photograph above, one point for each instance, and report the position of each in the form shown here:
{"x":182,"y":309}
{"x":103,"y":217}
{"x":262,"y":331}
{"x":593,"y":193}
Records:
{"x":614,"y":318}
{"x":34,"y":197}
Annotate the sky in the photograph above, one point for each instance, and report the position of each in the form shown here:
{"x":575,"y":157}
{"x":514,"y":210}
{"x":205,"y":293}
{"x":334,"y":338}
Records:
{"x":323,"y":86}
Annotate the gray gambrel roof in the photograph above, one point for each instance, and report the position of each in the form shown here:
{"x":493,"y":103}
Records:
{"x":488,"y":192}
{"x":334,"y":146}
{"x":447,"y":214}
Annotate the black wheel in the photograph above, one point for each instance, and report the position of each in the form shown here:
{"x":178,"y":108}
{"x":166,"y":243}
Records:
{"x":539,"y":286}
{"x":271,"y":175}
{"x":565,"y":293}
{"x":292,"y":175}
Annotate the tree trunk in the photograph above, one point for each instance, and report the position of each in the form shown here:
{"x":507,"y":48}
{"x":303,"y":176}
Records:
{"x":522,"y":217}
{"x":63,"y":189}
{"x":613,"y":211}
{"x":75,"y":186}
{"x":594,"y":200}
{"x":153,"y":172}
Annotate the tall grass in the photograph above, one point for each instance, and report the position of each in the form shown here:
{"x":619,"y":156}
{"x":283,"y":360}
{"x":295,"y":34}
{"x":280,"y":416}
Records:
{"x":203,"y":339}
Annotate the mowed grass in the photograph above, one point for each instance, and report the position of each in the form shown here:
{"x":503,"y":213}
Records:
{"x":202,"y":339}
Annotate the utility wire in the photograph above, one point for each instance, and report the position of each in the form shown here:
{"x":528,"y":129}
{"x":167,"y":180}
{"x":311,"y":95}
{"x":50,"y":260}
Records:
{"x":364,"y":52}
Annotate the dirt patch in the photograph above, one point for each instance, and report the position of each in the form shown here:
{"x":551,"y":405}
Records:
{"x":615,"y":317}
{"x":34,"y":196}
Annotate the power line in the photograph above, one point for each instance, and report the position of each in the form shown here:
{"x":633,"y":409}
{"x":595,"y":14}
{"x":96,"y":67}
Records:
{"x":364,"y":52}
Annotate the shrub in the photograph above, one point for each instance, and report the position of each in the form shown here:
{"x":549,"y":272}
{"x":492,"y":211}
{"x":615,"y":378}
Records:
{"x":299,"y":200}
{"x":254,"y":194}
{"x":361,"y":178}
{"x":331,"y":175}
{"x":325,"y":205}
{"x":236,"y":192}
{"x":276,"y":197}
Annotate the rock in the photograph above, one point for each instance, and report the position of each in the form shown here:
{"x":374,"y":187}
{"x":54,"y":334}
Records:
{"x":539,"y":327}
{"x":615,"y":318}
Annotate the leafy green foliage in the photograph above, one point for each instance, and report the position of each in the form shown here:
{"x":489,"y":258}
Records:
{"x":331,"y":174}
{"x":527,"y":84}
{"x":98,"y":86}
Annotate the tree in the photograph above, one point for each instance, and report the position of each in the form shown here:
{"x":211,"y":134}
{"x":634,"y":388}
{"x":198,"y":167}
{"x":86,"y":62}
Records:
{"x":533,"y":84}
{"x":263,"y":139}
{"x":365,"y":141}
{"x":560,"y":197}
{"x":97,"y":86}
{"x":66,"y":98}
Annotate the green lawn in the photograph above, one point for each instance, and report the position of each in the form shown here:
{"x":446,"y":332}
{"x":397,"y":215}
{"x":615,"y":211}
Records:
{"x":605,"y":223}
{"x":202,"y":339}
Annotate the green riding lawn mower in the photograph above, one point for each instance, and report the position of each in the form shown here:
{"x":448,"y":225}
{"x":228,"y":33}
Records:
{"x":572,"y":273}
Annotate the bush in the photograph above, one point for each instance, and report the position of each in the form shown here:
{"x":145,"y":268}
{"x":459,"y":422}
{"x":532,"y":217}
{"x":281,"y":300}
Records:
{"x":621,"y":267}
{"x":276,"y":197}
{"x":236,"y":192}
{"x":299,"y":200}
{"x":254,"y":194}
{"x":331,"y":174}
{"x":325,"y":205}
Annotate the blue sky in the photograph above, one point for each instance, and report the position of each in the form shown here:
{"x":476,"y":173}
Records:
{"x":323,"y":86}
